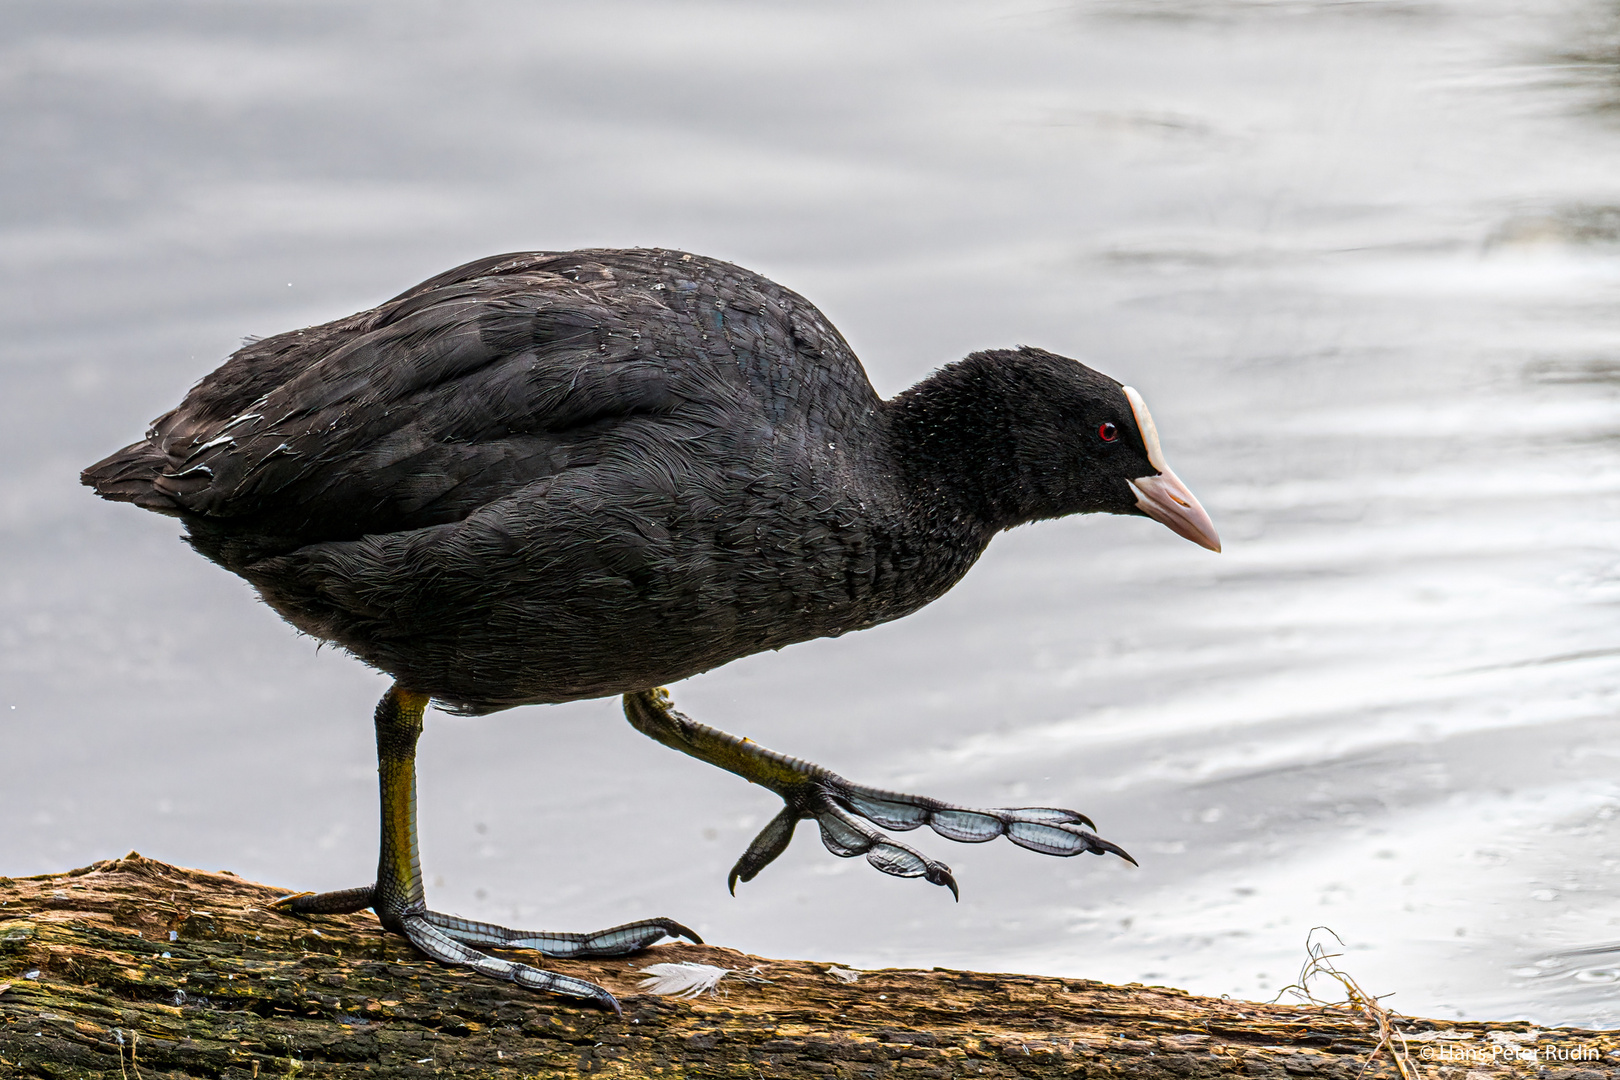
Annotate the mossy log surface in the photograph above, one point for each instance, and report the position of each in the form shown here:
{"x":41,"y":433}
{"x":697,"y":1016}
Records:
{"x":133,"y":968}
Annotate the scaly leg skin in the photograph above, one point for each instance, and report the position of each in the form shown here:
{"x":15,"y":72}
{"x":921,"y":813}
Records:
{"x":398,"y":899}
{"x":842,"y":809}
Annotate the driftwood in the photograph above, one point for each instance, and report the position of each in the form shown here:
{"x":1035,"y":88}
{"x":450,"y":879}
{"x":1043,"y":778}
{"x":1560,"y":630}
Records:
{"x":133,"y":968}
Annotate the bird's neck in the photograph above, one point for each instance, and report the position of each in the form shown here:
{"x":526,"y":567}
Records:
{"x":956,"y":437}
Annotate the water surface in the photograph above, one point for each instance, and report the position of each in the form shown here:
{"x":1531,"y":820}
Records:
{"x":1362,"y":258}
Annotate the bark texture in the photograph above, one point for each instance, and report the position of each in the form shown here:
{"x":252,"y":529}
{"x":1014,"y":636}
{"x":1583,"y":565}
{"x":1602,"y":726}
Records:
{"x":134,"y":968}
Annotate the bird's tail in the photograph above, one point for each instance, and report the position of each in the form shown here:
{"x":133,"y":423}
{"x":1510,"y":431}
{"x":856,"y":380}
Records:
{"x":131,"y":476}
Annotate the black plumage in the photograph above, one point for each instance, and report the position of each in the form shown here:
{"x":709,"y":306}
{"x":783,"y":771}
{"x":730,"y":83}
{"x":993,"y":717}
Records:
{"x":551,"y":476}
{"x":548,"y":476}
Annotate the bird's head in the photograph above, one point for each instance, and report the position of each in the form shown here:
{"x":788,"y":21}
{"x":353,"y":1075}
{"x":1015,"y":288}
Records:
{"x":1050,"y":437}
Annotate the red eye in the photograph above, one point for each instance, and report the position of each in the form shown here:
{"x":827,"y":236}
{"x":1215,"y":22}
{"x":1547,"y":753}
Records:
{"x":1107,"y":432}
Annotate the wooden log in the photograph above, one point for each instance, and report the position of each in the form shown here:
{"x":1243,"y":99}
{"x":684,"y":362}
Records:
{"x":137,"y":969}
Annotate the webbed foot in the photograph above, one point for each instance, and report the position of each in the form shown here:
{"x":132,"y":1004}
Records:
{"x":842,"y":810}
{"x":850,"y":815}
{"x":398,"y":898}
{"x":449,"y":939}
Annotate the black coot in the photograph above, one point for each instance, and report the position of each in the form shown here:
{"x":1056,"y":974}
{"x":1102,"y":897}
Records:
{"x":548,"y":476}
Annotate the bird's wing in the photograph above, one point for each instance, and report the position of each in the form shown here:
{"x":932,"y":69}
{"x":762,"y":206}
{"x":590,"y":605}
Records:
{"x":488,"y":378}
{"x":422,"y":410}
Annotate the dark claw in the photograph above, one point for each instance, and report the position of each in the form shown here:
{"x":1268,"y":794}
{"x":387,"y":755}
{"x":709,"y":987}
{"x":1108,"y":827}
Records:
{"x":771,"y":842}
{"x":676,"y":930}
{"x":1100,"y":846}
{"x":941,"y":875}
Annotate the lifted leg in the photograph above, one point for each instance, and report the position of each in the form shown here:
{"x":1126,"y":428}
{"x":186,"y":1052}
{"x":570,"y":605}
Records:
{"x":399,"y":901}
{"x":842,"y":810}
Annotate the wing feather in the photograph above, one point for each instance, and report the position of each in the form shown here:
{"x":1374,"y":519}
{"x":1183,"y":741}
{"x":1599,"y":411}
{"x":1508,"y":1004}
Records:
{"x":482,"y":381}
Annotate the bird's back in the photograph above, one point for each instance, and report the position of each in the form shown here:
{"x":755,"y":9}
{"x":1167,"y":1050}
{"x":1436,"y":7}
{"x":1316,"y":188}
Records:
{"x":479,"y":381}
{"x":545,"y":462}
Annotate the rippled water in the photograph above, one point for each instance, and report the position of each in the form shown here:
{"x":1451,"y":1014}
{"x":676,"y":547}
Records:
{"x":1362,"y":258}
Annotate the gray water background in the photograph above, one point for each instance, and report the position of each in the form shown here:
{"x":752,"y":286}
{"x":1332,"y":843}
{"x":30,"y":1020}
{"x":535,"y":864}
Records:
{"x":1361,"y":258}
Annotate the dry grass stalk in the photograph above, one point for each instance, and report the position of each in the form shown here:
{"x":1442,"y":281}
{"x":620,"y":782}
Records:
{"x":1320,"y":963}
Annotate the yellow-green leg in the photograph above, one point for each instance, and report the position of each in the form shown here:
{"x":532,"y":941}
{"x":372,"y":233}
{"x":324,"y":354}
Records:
{"x":400,"y":903}
{"x":398,"y":892}
{"x":842,"y":810}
